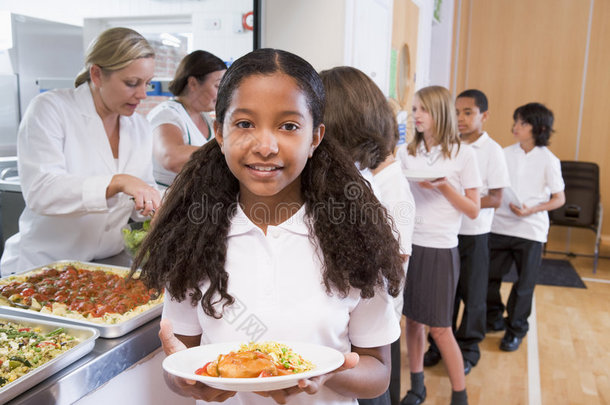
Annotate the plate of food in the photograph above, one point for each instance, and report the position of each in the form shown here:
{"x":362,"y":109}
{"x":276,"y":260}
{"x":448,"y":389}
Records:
{"x":423,"y":175}
{"x":262,"y":366}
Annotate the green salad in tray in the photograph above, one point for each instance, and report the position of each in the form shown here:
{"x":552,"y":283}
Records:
{"x":133,"y":235}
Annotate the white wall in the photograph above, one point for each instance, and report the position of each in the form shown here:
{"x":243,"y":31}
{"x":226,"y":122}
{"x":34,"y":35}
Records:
{"x":312,"y":29}
{"x":224,"y":41}
{"x":440,"y":46}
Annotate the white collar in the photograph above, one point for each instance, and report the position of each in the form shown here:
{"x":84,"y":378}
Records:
{"x":481,"y":141}
{"x":241,"y":224}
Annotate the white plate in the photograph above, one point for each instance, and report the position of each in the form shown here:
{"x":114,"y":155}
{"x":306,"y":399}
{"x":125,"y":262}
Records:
{"x":184,"y":363}
{"x":423,"y":175}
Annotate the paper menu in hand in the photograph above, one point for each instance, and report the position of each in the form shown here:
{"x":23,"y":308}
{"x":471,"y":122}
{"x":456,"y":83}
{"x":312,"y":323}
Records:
{"x":510,"y":197}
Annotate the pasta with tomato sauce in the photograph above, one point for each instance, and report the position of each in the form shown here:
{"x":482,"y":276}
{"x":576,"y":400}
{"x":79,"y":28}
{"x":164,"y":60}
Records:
{"x":98,"y":296}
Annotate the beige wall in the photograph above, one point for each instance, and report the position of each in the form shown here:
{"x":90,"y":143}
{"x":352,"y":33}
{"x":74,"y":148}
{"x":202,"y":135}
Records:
{"x":520,"y":51}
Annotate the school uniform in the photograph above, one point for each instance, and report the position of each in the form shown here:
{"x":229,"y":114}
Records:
{"x":172,"y":112}
{"x":434,"y":266}
{"x":534,"y":176}
{"x":474,"y":254}
{"x":393,"y":191}
{"x":65,"y":166}
{"x":276,"y":280}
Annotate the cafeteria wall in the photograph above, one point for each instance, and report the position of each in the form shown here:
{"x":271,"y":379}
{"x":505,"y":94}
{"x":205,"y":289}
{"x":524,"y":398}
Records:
{"x":550,"y":51}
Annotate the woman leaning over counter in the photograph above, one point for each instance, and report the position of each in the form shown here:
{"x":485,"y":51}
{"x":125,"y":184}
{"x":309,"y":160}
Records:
{"x":182,"y":125}
{"x":85,"y":158}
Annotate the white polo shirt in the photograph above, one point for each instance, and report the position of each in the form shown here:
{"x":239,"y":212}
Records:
{"x":437,"y":221}
{"x":276,"y":280}
{"x":172,"y":112}
{"x":393,"y":191}
{"x":494,"y":174}
{"x":534,"y":176}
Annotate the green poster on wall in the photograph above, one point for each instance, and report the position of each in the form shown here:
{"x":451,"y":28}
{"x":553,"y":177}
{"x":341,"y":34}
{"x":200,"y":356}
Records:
{"x":393,"y":70}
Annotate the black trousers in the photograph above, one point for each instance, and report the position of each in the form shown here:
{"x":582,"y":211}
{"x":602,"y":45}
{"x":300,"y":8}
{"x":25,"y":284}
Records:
{"x":527,"y":256}
{"x":472,"y":290}
{"x":392,"y":394}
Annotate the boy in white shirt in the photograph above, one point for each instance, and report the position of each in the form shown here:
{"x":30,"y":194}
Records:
{"x":472,"y":112}
{"x":519,"y":229}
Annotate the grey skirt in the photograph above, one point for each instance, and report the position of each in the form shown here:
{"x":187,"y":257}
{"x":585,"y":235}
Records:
{"x":431,"y":283}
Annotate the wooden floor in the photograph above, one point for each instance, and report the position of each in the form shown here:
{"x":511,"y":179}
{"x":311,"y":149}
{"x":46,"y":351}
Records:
{"x":568,"y":363}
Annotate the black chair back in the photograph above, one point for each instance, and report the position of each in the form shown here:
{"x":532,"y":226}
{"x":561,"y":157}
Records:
{"x":582,"y":195}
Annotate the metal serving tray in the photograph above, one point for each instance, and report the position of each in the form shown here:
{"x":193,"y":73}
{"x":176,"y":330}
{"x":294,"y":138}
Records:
{"x":85,"y":334}
{"x":106,"y":330}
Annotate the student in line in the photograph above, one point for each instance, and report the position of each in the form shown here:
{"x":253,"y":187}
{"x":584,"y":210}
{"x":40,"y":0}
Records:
{"x":434,"y":265}
{"x":521,"y":225}
{"x":472,"y":111}
{"x":260,"y":229}
{"x":360,"y":118}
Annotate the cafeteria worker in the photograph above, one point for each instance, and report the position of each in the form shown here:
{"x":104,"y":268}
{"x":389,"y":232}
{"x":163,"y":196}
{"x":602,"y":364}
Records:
{"x":85,"y":159}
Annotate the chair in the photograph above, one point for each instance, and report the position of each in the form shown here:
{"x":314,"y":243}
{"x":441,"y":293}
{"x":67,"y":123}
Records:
{"x":583,"y":208}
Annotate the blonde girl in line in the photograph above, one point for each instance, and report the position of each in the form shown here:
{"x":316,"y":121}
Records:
{"x":432,"y":277}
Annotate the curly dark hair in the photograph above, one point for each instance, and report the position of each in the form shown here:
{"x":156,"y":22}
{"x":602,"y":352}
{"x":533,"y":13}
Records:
{"x":187,"y":244}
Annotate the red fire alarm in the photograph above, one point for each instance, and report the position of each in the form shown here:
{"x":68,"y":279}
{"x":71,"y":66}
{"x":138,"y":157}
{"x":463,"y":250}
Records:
{"x":247,"y":21}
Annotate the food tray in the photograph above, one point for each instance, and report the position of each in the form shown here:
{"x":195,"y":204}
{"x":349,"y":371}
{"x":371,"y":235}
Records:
{"x":106,"y":330}
{"x":85,"y":334}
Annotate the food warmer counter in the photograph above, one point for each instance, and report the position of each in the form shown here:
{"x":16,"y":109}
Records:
{"x":108,"y":359}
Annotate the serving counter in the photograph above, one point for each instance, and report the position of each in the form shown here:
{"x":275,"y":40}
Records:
{"x":108,"y":359}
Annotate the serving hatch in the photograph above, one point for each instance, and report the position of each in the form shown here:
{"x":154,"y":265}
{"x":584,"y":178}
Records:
{"x":109,"y":325}
{"x":86,"y":340}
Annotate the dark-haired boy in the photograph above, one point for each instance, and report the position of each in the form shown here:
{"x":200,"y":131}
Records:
{"x":520,"y":229}
{"x":472,"y":112}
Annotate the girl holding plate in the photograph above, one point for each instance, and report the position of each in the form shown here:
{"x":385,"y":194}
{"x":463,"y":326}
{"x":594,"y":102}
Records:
{"x":269,"y":233}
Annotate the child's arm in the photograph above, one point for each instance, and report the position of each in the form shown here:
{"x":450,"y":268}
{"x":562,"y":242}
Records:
{"x":493,"y":199}
{"x":370,"y":377}
{"x":469,"y":203}
{"x":556,"y":201}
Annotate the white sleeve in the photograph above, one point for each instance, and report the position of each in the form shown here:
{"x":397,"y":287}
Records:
{"x":395,"y":194}
{"x":48,"y":188}
{"x":470,"y":177}
{"x":166,"y":115}
{"x":182,"y":315}
{"x":497,"y":170}
{"x":373,"y":322}
{"x":553,"y":177}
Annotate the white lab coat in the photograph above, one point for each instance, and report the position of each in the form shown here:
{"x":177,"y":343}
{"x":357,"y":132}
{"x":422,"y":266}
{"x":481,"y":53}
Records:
{"x":65,"y":165}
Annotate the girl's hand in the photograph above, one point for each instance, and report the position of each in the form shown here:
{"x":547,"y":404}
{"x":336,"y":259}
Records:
{"x":522,"y":211}
{"x":171,"y":344}
{"x":312,"y":385}
{"x":147,"y":199}
{"x":436,"y":183}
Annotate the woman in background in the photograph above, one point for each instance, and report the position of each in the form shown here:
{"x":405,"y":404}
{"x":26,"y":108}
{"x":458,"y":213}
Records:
{"x":85,"y":158}
{"x":183,"y":124}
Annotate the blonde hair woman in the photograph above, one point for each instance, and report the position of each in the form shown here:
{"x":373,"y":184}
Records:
{"x":434,"y":269}
{"x":85,"y":158}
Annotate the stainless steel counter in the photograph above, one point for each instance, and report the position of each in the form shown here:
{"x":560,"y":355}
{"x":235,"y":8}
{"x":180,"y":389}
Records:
{"x":108,"y":358}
